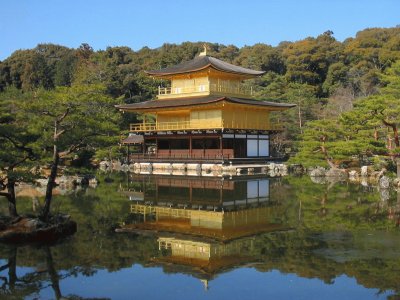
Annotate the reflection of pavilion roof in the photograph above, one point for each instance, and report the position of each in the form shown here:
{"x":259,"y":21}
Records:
{"x":223,"y":226}
{"x":203,"y":270}
{"x":204,"y":259}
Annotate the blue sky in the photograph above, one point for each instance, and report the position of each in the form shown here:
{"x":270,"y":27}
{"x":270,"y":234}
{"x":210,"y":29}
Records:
{"x":100,"y":23}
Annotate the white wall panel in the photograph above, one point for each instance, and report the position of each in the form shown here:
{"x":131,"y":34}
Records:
{"x":263,"y":147}
{"x":252,"y":148}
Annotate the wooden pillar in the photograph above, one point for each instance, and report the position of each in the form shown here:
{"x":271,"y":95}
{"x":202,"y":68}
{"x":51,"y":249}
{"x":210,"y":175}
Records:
{"x":234,"y":146}
{"x":128,"y":159}
{"x":204,"y":149}
{"x":221,"y":146}
{"x":156,"y":147}
{"x":156,"y":184}
{"x":190,"y":146}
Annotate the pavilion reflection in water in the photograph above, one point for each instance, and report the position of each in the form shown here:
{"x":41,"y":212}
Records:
{"x":205,"y":226}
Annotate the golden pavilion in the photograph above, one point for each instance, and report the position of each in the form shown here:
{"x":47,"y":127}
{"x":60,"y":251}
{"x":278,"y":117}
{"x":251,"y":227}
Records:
{"x":205,"y":114}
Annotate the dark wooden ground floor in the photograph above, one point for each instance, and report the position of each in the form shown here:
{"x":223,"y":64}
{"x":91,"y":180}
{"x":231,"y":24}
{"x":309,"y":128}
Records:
{"x":203,"y":146}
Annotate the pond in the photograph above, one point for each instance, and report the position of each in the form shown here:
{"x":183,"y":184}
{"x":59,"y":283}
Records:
{"x":213,"y":238}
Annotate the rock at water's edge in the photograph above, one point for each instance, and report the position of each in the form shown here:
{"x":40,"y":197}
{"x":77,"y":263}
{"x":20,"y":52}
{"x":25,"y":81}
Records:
{"x":32,"y":230}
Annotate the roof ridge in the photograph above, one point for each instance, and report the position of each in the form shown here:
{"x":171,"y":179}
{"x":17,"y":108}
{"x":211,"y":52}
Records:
{"x":202,"y":62}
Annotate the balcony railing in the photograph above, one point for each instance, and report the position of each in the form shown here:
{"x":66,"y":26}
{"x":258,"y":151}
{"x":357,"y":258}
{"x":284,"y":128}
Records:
{"x":200,"y":125}
{"x":205,"y":89}
{"x":183,"y":125}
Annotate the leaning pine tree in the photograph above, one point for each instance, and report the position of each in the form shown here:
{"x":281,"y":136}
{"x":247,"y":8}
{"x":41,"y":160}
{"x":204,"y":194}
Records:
{"x":69,"y":120}
{"x":17,"y":148}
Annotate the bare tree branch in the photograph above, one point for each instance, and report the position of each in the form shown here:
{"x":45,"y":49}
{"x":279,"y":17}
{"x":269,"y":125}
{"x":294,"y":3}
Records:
{"x":18,"y":146}
{"x":64,"y":115}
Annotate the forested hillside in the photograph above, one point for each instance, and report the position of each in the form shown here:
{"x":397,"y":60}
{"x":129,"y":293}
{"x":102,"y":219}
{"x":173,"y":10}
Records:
{"x":347,"y":93}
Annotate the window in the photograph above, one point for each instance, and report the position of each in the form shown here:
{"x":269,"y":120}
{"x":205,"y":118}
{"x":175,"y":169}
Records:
{"x":163,"y":144}
{"x":263,"y":147}
{"x":179,"y":143}
{"x":197,"y":144}
{"x":252,"y":148}
{"x":227,"y":143}
{"x":211,"y":143}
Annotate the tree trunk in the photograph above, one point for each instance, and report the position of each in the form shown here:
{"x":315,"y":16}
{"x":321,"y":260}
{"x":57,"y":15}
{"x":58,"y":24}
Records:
{"x":300,"y":120}
{"x":328,"y":160}
{"x":12,"y":267}
{"x":12,"y":206}
{"x":50,"y":184}
{"x":398,"y":168}
{"x":389,"y":142}
{"x":396,"y":136}
{"x":395,"y":132}
{"x":54,"y":278}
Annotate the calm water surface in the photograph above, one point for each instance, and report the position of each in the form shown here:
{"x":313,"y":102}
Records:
{"x":208,"y":238}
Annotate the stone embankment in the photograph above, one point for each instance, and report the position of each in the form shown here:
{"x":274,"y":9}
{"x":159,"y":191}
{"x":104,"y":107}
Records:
{"x":65,"y":181}
{"x":197,"y":169}
{"x":365,"y":176}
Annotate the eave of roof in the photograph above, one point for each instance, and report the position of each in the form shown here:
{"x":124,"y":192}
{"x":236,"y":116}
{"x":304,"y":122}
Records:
{"x":133,"y":139}
{"x":203,"y":62}
{"x":194,"y":101}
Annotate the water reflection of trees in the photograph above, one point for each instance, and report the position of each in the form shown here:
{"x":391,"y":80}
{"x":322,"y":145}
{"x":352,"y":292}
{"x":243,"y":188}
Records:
{"x":308,"y":251}
{"x":39,"y":277}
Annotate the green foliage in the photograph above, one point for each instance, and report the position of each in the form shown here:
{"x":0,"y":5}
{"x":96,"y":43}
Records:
{"x":17,"y":142}
{"x":370,"y":128}
{"x":324,"y":77}
{"x":72,"y":118}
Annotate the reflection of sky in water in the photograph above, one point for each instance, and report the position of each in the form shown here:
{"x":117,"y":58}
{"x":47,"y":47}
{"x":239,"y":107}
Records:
{"x":245,"y":283}
{"x":247,"y":221}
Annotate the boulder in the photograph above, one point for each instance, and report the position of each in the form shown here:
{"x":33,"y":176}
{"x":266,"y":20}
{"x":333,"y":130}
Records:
{"x":67,"y":181}
{"x":379,"y":174}
{"x":319,"y":179}
{"x":104,"y":165}
{"x":41,"y":182}
{"x":384,"y":182}
{"x":116,"y":165}
{"x":364,"y":171}
{"x":385,"y":196}
{"x":396,"y":182}
{"x":337,"y":173}
{"x":296,"y":169}
{"x":93,"y":182}
{"x":318,"y":172}
{"x":353,"y":174}
{"x":31,"y":230}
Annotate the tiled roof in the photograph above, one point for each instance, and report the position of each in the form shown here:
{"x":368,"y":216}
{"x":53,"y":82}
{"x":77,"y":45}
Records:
{"x":203,"y":62}
{"x":182,"y":102}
